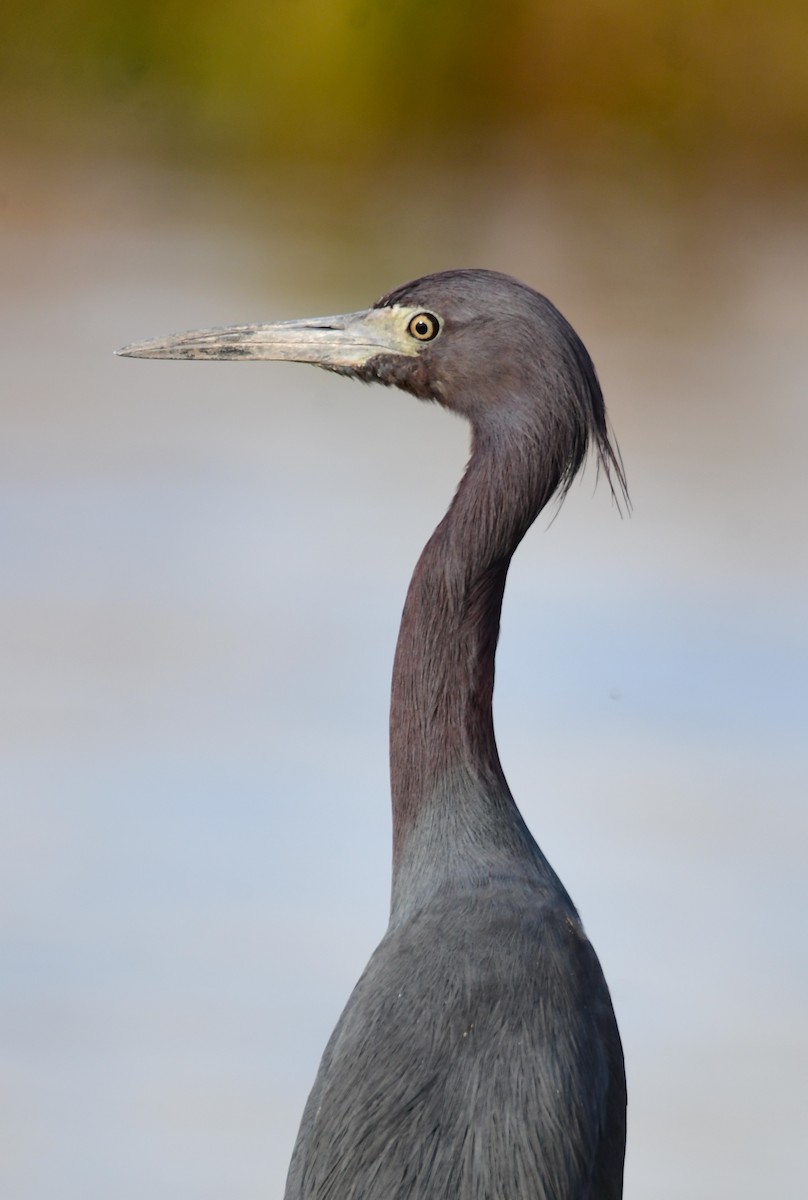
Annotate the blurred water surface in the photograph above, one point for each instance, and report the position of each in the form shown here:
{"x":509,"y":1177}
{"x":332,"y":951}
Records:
{"x":203,"y":569}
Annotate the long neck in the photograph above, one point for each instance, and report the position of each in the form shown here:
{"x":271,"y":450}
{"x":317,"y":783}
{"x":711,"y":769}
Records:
{"x":452,"y":810}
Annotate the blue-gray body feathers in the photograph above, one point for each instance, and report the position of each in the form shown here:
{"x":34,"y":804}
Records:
{"x":469,"y":1073}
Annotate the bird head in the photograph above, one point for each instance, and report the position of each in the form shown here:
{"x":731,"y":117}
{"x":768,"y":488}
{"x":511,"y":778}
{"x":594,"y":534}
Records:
{"x":477,"y":342}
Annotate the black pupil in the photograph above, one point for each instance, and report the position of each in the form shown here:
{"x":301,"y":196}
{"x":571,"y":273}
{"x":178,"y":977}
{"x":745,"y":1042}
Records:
{"x":421,"y":327}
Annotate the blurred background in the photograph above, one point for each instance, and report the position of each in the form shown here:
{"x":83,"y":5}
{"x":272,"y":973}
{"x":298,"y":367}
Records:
{"x":203,"y":566}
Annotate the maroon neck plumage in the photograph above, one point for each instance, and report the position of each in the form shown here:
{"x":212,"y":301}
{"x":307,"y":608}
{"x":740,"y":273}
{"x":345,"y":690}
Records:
{"x":445,"y":770}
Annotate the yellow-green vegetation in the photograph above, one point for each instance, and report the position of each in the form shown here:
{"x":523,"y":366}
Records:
{"x":362,"y":81}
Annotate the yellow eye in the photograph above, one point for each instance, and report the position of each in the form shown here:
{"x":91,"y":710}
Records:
{"x":424,"y":327}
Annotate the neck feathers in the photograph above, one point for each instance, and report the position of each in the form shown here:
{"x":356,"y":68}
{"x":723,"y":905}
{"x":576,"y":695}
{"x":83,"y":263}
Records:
{"x":452,"y":811}
{"x":447,"y":782}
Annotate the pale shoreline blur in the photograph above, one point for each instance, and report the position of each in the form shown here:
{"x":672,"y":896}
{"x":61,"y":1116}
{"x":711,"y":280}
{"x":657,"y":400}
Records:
{"x":203,"y":572}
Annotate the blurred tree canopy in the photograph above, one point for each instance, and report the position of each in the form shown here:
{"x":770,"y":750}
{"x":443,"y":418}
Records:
{"x":357,"y":82}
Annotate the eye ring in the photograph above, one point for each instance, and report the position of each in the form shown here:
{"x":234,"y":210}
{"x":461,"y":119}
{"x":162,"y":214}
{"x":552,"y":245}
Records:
{"x":424,"y":327}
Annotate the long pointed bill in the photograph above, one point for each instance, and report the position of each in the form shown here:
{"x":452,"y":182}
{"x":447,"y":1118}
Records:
{"x":349,"y":340}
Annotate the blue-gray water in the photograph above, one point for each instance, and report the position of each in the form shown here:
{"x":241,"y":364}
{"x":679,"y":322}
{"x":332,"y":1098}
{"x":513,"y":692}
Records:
{"x":202,"y":571}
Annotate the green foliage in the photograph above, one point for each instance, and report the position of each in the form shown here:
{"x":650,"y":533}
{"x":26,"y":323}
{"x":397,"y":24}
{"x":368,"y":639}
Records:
{"x":363,"y":81}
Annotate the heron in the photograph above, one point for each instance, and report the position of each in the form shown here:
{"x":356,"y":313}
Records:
{"x":478,"y":1057}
